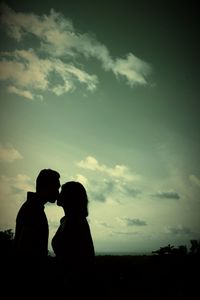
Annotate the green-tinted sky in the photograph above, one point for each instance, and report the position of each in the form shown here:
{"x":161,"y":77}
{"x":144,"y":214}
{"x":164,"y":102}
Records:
{"x":106,"y":93}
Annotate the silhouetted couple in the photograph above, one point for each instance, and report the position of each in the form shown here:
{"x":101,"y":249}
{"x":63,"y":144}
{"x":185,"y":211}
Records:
{"x":72,"y":243}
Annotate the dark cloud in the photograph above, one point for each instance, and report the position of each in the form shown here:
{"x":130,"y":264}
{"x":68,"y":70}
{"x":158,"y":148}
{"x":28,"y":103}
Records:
{"x":104,"y":224}
{"x":179,"y":230}
{"x":129,"y":190}
{"x":167,"y":195}
{"x":99,"y":191}
{"x":96,"y":196}
{"x":134,"y":222}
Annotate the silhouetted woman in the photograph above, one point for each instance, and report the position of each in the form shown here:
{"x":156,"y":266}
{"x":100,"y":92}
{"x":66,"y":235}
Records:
{"x":72,"y":243}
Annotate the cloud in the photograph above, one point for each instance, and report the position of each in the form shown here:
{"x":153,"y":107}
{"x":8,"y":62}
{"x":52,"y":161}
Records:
{"x":127,"y":188}
{"x":64,"y":47}
{"x":81,"y":178}
{"x":101,"y":190}
{"x":134,"y":69}
{"x":23,"y":93}
{"x":103,"y":224}
{"x":195,"y":180}
{"x":117,"y":184}
{"x":31,"y":74}
{"x":25,"y":69}
{"x":15,"y":186}
{"x":20,"y":181}
{"x":178,"y":230}
{"x":118,"y":171}
{"x":8,"y":153}
{"x":132,"y":221}
{"x":167,"y":195}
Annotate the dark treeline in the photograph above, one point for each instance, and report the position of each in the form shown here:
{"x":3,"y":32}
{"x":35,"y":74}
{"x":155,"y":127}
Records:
{"x":169,"y":273}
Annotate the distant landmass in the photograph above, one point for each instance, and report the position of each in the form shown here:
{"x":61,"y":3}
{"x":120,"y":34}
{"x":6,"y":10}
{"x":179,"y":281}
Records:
{"x":114,"y":253}
{"x":121,"y":253}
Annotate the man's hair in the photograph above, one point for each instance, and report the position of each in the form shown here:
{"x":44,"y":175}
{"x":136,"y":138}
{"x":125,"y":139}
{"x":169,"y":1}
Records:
{"x":46,"y":178}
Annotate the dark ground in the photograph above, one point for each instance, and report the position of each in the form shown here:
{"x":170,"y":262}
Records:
{"x":167,"y":277}
{"x":149,"y":277}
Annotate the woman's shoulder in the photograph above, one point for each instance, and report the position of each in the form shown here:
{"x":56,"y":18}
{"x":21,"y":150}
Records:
{"x":63,"y":223}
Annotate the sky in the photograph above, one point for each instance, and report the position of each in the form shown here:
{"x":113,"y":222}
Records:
{"x":105,"y":93}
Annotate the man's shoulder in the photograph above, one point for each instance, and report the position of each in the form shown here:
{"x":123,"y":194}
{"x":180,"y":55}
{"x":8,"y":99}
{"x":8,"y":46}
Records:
{"x":24,"y":210}
{"x":27,"y":208}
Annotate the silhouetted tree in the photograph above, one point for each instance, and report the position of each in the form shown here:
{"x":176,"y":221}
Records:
{"x":6,"y":242}
{"x":195,"y":247}
{"x":182,"y":249}
{"x":170,"y":249}
{"x":164,"y":250}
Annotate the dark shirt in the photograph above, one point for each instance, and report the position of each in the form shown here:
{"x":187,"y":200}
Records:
{"x":73,"y":243}
{"x":31,"y":232}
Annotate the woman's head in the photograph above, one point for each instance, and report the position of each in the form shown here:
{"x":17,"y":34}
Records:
{"x":73,"y":198}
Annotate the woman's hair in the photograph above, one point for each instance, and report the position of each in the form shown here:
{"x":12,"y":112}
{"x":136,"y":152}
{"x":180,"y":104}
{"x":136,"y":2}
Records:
{"x":73,"y":198}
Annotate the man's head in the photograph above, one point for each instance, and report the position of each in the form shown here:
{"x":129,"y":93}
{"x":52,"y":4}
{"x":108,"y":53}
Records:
{"x":47,"y":185}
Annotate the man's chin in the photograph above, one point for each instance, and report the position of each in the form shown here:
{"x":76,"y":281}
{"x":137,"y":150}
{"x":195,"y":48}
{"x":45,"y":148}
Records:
{"x":52,"y":200}
{"x":58,"y":203}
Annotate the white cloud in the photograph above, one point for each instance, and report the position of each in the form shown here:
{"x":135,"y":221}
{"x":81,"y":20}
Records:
{"x":23,"y":93}
{"x":27,"y":71}
{"x":80,"y":178}
{"x":118,"y":171}
{"x":46,"y":27}
{"x":8,"y":153}
{"x":109,"y":184}
{"x":134,"y":69}
{"x":64,"y":46}
{"x":83,"y":77}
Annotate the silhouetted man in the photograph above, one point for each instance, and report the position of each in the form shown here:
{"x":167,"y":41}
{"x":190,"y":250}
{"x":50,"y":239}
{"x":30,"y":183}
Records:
{"x":31,"y":232}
